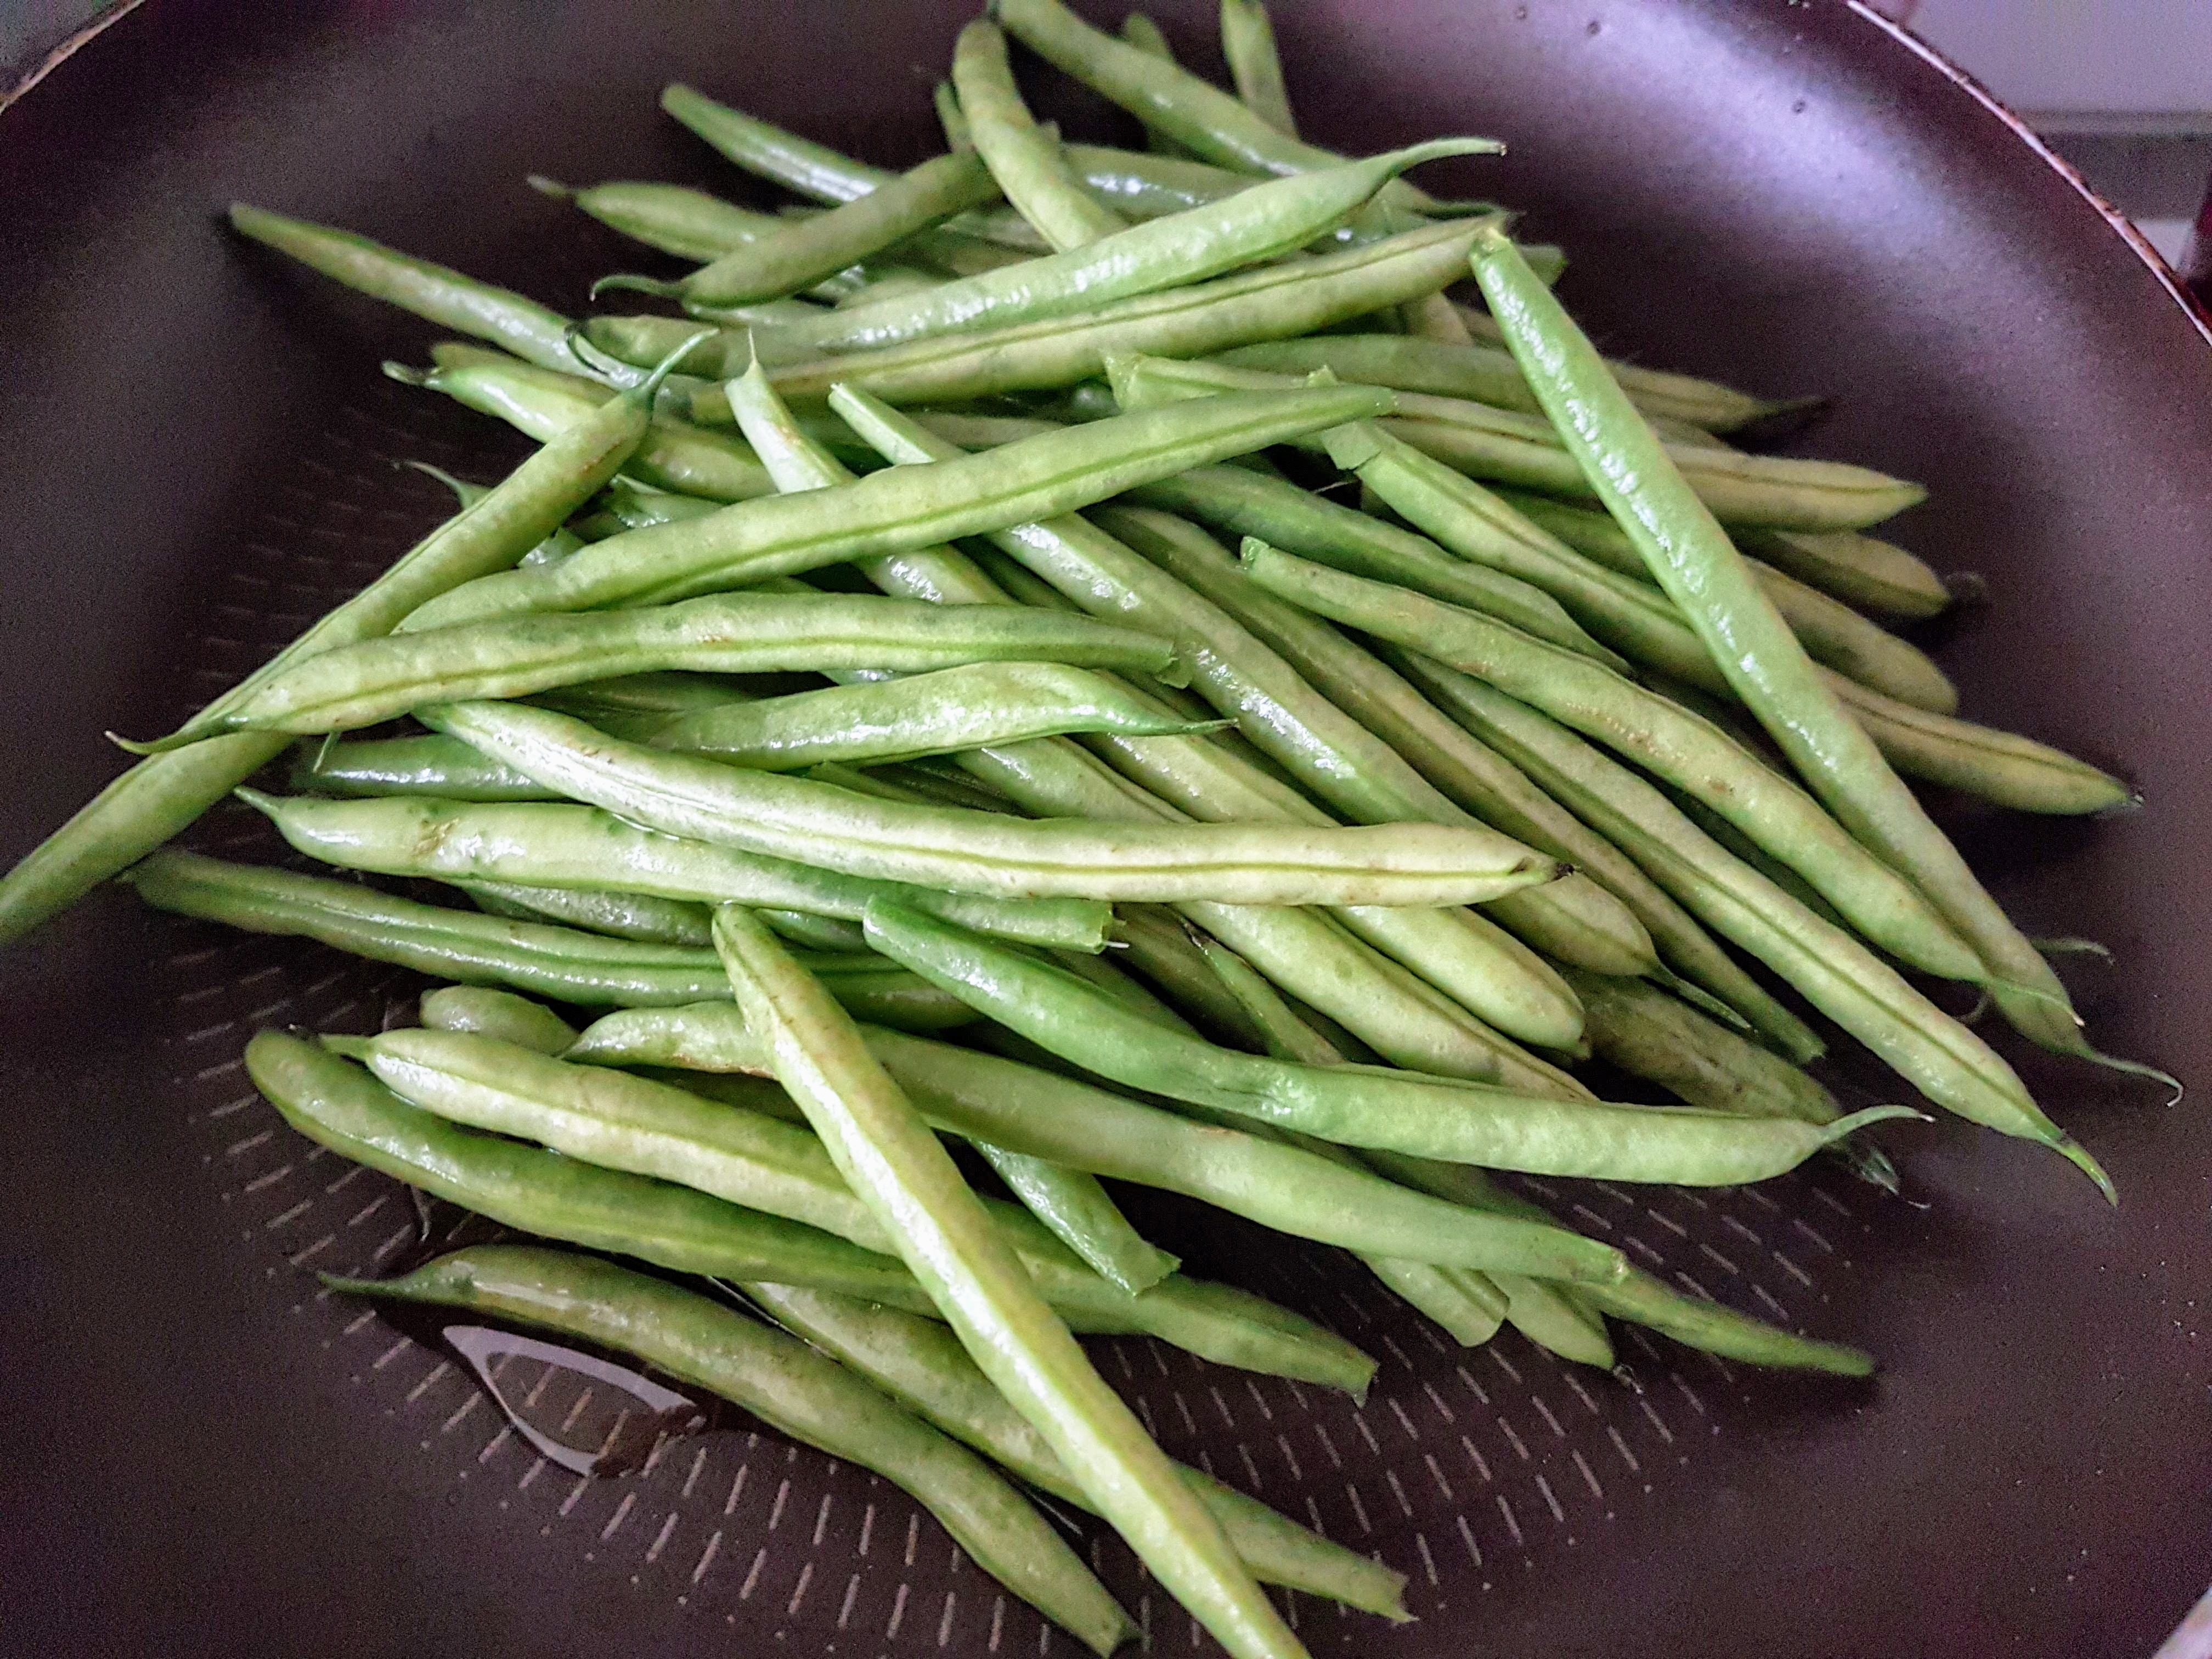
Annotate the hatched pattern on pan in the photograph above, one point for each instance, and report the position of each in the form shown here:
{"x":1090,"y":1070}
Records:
{"x":1465,"y":1469}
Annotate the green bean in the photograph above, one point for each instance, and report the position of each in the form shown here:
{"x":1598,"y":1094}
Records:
{"x":1693,"y":561}
{"x":443,"y":296}
{"x":1473,"y":773}
{"x":1825,"y":965}
{"x":1290,"y":1188}
{"x":1663,"y":738}
{"x":1263,"y":222}
{"x":1833,"y":633}
{"x":1144,"y":186}
{"x":1998,"y":766}
{"x":888,"y":1154}
{"x":159,"y":796}
{"x":640,"y":696}
{"x":688,"y":223}
{"x":928,"y":713}
{"x":1631,"y":614}
{"x":1140,"y":32}
{"x":1485,"y":373}
{"x":1247,"y":41}
{"x":789,"y":1387}
{"x":644,"y":916}
{"x":1404,"y":1019}
{"x":1640,"y":1029}
{"x":430,"y":765}
{"x":1078,"y":1212}
{"x":1860,"y":570}
{"x":797,"y":254}
{"x":814,"y":933}
{"x":839,"y":829}
{"x":1361,"y":1106}
{"x":352,"y":686}
{"x":1157,"y":946}
{"x":560,"y":962}
{"x":1024,"y":158}
{"x":672,"y":454}
{"x":811,"y":169}
{"x":902,"y":508}
{"x":583,"y":849}
{"x":500,"y":1014}
{"x":923,"y":1366}
{"x":1204,"y":120}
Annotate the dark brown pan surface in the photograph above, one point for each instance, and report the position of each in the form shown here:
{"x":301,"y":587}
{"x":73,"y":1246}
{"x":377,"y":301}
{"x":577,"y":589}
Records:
{"x":204,"y":1457}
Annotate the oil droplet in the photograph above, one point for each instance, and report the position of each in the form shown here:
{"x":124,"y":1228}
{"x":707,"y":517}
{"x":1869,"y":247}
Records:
{"x":637,"y":1413}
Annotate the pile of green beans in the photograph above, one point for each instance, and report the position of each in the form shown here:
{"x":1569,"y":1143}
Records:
{"x":1313,"y":703}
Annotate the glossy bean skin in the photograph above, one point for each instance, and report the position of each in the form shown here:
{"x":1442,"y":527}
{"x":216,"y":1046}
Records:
{"x":1023,"y":158}
{"x":349,"y":687}
{"x":1289,"y":1187}
{"x":583,"y":848}
{"x":500,"y":1014}
{"x":1361,"y":1106}
{"x":899,"y":509}
{"x":968,"y":851}
{"x":1482,"y":780}
{"x":1824,"y":964}
{"x":1082,"y":1215}
{"x":923,"y":1366}
{"x":811,"y":169}
{"x":644,"y":916}
{"x":888,"y":1155}
{"x":561,"y":963}
{"x":1693,"y":560}
{"x":161,"y":796}
{"x":429,"y":765}
{"x":1688,"y":751}
{"x":1263,"y":222}
{"x":786,"y":1385}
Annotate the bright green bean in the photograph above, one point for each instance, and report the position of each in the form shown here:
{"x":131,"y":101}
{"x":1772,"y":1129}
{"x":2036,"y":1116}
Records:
{"x":1078,"y":1212}
{"x":583,"y":848}
{"x":1361,"y":1106}
{"x":500,"y":1014}
{"x":428,"y":765}
{"x":1157,"y":946}
{"x":644,"y":916}
{"x":1024,"y":158}
{"x":688,"y":223}
{"x":892,"y":1160}
{"x":811,"y":169}
{"x":560,"y":962}
{"x":352,"y":686}
{"x":902,"y":508}
{"x":1860,"y":570}
{"x":840,"y":829}
{"x":160,"y":797}
{"x":789,"y":1387}
{"x":923,"y":1366}
{"x":1703,"y":572}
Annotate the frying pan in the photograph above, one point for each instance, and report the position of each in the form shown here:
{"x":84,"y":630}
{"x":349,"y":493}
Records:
{"x":207,"y":1458}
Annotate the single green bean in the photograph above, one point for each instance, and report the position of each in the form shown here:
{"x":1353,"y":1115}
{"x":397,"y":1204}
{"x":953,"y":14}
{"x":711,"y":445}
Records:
{"x":789,"y":1387}
{"x":1471,"y":773}
{"x":160,"y":797}
{"x":814,"y":933}
{"x":1292,"y":1188}
{"x":1640,"y":1029}
{"x":1157,"y":947}
{"x":1024,"y":158}
{"x":1140,"y":32}
{"x":428,"y":765}
{"x":1150,"y":185}
{"x":1860,"y":570}
{"x":642,"y":696}
{"x":688,"y":223}
{"x":352,"y":686}
{"x":811,"y":169}
{"x":923,"y":1366}
{"x":1825,"y":965}
{"x":584,"y":850}
{"x":1687,"y":751}
{"x":1703,"y":572}
{"x":892,"y":1160}
{"x":1361,"y":1106}
{"x":561,"y":963}
{"x":1083,"y":1216}
{"x":1248,"y":41}
{"x":976,"y":852}
{"x":1263,"y":222}
{"x":1998,"y":766}
{"x":902,"y":508}
{"x":672,"y":454}
{"x":644,"y":916}
{"x":500,"y":1014}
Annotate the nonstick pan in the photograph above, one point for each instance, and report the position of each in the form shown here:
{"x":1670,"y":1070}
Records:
{"x":205,"y":1456}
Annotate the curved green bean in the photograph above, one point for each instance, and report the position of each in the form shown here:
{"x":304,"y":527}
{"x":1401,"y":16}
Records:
{"x":1357,"y":1106}
{"x":923,"y":1366}
{"x":561,"y":963}
{"x":672,"y":218}
{"x":500,"y":1014}
{"x":1080,"y":1212}
{"x":897,"y":1166}
{"x":583,"y":849}
{"x":352,"y":686}
{"x":787,"y":1386}
{"x":901,"y":508}
{"x":969,"y":851}
{"x":1023,"y":158}
{"x":810,"y":168}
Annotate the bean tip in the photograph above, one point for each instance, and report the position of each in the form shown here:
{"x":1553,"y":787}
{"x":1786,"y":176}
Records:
{"x":2078,"y":1155}
{"x":553,"y":187}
